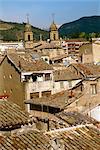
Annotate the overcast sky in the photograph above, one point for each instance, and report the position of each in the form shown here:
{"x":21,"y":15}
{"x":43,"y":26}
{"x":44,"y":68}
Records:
{"x":40,"y":11}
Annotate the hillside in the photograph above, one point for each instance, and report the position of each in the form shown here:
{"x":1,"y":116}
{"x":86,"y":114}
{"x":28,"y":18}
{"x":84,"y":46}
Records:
{"x":10,"y":31}
{"x":84,"y":24}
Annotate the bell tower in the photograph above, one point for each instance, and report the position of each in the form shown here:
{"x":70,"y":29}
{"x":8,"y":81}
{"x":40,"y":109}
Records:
{"x":28,"y":35}
{"x":54,"y":36}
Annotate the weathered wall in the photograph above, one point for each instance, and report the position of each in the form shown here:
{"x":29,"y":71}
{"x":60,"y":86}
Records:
{"x":10,"y":83}
{"x":87,"y":58}
{"x":96,"y":52}
{"x":87,"y":100}
{"x":54,"y":35}
{"x":34,"y":87}
{"x":64,"y":85}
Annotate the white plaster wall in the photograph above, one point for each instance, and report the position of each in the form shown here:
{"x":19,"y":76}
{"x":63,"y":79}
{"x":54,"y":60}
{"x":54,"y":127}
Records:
{"x":95,"y":113}
{"x":39,"y":86}
{"x":58,"y":88}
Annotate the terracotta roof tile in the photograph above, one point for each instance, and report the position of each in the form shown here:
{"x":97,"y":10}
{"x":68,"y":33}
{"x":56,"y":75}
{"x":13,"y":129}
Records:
{"x":26,"y":63}
{"x":65,"y":74}
{"x":47,"y":46}
{"x":30,"y":140}
{"x":59,"y":57}
{"x":58,"y":100}
{"x":88,"y":69}
{"x":78,"y":137}
{"x":73,"y":118}
{"x":11,"y":115}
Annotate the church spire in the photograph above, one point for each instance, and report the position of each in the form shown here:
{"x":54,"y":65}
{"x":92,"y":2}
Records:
{"x":27,"y":17}
{"x":53,"y":16}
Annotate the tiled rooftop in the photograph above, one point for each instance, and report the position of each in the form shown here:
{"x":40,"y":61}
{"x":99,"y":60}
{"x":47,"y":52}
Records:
{"x":65,"y":74}
{"x":74,"y":138}
{"x":59,"y":57}
{"x":78,"y":138}
{"x":31,"y":140}
{"x":11,"y":116}
{"x":74,"y":118}
{"x":47,"y":46}
{"x":58,"y":100}
{"x":88,"y":69}
{"x":25,"y":62}
{"x":62,"y":120}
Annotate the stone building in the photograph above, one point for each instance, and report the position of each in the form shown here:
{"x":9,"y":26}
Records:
{"x":54,"y":35}
{"x":65,"y":79}
{"x":96,"y":52}
{"x":28,"y":36}
{"x":85,"y":53}
{"x":22,"y":78}
{"x":72,"y":46}
{"x":88,"y":89}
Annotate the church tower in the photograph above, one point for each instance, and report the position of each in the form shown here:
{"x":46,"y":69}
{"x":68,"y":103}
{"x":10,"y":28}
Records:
{"x":54,"y":36}
{"x":28,"y":36}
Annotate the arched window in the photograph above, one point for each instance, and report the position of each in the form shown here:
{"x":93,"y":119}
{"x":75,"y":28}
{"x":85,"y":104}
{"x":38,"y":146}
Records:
{"x":28,"y":37}
{"x":54,"y":36}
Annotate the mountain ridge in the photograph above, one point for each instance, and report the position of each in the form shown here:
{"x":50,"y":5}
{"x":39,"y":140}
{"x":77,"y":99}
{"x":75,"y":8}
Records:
{"x":82,"y":27}
{"x":88,"y":24}
{"x":10,"y":31}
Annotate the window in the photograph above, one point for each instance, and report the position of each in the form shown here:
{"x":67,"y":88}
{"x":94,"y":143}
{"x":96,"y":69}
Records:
{"x":93,"y":89}
{"x":28,"y":37}
{"x":5,"y":91}
{"x":34,"y":95}
{"x":54,"y":37}
{"x":47,"y":76}
{"x":46,"y":59}
{"x":34,"y":78}
{"x":11,"y":90}
{"x":35,"y":107}
{"x":10,"y":76}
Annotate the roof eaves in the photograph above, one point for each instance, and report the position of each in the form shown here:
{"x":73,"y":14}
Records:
{"x":19,"y":70}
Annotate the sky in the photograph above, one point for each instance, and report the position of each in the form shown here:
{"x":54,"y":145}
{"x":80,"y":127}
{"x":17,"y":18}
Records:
{"x":40,"y":11}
